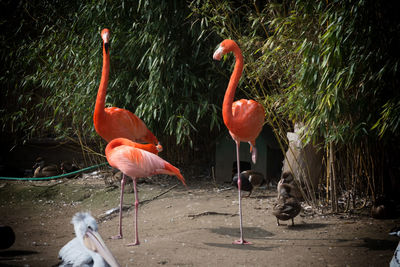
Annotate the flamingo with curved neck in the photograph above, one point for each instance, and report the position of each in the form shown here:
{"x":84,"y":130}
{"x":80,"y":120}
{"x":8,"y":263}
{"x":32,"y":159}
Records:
{"x":243,"y":118}
{"x":113,"y":122}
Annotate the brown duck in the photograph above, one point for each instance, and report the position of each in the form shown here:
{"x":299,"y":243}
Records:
{"x":43,"y":170}
{"x":286,"y":207}
{"x":67,"y":167}
{"x":287,"y":177}
{"x":250,"y":179}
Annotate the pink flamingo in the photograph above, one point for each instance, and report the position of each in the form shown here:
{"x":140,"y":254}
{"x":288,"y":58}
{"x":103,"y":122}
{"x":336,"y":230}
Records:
{"x":243,"y":118}
{"x":134,"y":162}
{"x":113,"y":122}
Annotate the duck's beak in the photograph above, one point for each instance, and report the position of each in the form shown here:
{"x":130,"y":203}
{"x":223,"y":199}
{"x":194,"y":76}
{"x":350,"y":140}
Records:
{"x":218,"y":53}
{"x":94,"y":242}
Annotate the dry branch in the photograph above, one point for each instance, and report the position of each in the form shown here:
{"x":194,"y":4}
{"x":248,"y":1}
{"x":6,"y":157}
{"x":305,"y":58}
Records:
{"x":110,"y":213}
{"x":206,"y":213}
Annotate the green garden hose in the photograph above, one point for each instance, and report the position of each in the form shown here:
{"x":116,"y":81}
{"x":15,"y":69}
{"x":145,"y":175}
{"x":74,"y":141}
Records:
{"x":54,"y":177}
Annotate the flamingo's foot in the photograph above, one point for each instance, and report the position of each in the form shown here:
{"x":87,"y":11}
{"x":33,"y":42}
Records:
{"x":241,"y":242}
{"x":117,"y":236}
{"x":137,"y":243}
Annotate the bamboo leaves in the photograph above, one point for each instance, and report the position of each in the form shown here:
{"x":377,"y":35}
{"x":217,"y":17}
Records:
{"x":157,"y":68}
{"x":332,"y":65}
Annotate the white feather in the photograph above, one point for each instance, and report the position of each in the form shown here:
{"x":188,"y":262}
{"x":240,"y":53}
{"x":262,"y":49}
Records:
{"x":75,"y":253}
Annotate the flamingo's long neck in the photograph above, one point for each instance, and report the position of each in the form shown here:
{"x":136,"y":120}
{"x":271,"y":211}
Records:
{"x":101,"y":93}
{"x":230,"y":91}
{"x":117,"y":142}
{"x":123,"y":141}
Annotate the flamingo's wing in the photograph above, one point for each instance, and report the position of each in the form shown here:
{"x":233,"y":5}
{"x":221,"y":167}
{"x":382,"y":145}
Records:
{"x":123,"y":123}
{"x":140,"y":163}
{"x":249,"y":118}
{"x":146,"y":135}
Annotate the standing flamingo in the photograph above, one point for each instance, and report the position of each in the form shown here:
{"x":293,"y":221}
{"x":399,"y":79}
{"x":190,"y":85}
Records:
{"x":243,"y":118}
{"x":134,"y":162}
{"x":113,"y":122}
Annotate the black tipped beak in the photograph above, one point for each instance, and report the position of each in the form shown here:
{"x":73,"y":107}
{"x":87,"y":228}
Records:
{"x":106,"y":47}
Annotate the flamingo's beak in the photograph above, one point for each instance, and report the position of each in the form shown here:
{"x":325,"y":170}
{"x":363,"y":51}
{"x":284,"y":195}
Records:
{"x":159,"y":147}
{"x":218,"y":53}
{"x":106,"y":47}
{"x":182,"y":180}
{"x":94,"y":242}
{"x":106,"y":40}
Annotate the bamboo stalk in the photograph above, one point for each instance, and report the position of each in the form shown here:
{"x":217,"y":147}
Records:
{"x":333,"y":176}
{"x":327,"y":175}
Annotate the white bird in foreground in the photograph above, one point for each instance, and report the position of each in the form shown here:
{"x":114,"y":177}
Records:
{"x":87,"y":248}
{"x":395,"y":262}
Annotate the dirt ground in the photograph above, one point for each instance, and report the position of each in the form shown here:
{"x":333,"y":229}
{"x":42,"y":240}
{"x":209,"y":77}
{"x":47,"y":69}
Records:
{"x":185,"y":227}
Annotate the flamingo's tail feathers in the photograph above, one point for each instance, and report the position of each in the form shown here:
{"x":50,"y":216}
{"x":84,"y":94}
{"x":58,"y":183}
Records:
{"x":253,"y":151}
{"x":172,"y":170}
{"x":254,"y":154}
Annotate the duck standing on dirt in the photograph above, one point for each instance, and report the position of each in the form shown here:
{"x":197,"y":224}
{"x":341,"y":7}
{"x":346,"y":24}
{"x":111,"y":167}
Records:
{"x":87,"y":248}
{"x":395,"y":262}
{"x":287,"y":206}
{"x":250,"y":179}
{"x":43,"y":170}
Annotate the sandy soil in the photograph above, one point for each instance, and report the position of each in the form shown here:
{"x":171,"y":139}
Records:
{"x":185,"y":227}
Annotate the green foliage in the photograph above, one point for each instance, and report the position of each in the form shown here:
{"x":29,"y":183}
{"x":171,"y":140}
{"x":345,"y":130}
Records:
{"x":332,"y":65}
{"x":347,"y":68}
{"x":321,"y":62}
{"x":159,"y":68}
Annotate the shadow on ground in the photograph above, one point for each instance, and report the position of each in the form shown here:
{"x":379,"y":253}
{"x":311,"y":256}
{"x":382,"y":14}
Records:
{"x":11,"y":255}
{"x":379,"y":244}
{"x":249,"y":232}
{"x":236,"y":246}
{"x":304,"y":226}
